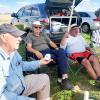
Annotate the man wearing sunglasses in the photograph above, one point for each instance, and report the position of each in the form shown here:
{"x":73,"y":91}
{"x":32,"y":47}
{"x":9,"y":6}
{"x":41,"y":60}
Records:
{"x":38,"y":44}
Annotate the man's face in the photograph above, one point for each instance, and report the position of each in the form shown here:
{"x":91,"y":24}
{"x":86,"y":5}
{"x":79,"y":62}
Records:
{"x":12,"y":42}
{"x":74,"y":31}
{"x":37,"y":29}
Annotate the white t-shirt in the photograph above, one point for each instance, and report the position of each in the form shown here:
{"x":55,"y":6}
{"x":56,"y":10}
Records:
{"x":74,"y":44}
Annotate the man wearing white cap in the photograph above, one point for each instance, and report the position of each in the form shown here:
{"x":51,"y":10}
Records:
{"x":13,"y":85}
{"x":38,"y":44}
{"x":77,"y":49}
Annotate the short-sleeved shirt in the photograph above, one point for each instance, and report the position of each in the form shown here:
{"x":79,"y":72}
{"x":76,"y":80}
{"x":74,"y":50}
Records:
{"x":39,"y":43}
{"x":74,"y":44}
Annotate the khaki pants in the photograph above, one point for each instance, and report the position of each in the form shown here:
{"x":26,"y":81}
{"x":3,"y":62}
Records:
{"x":37,"y":83}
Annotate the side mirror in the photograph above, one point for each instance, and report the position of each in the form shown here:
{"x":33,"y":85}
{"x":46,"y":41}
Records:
{"x":14,"y":15}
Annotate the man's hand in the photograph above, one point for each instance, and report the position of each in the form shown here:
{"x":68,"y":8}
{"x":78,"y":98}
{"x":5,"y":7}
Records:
{"x":39,"y":54}
{"x":89,"y":49}
{"x":45,"y":62}
{"x":92,"y":52}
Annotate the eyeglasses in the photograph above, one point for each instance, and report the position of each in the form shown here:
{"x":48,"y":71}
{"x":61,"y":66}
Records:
{"x":38,"y":27}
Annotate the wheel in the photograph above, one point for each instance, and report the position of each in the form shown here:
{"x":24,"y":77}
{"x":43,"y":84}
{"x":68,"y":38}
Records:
{"x":85,"y":28}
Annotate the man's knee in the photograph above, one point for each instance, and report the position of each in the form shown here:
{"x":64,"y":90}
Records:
{"x":93,"y":58}
{"x":45,"y":77}
{"x":85,"y":61}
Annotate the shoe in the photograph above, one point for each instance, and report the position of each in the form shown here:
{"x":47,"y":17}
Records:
{"x":66,"y":84}
{"x":97,"y":82}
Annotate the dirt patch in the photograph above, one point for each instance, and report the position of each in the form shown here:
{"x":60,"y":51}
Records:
{"x":5,"y":18}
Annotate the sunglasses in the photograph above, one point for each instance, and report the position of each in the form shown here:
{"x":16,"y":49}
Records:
{"x":38,"y":27}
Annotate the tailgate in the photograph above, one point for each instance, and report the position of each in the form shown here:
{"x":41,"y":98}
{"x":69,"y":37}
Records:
{"x":61,"y":3}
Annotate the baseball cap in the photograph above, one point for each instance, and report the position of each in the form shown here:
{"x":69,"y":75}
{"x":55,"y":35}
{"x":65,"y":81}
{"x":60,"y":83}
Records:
{"x":37,"y":23}
{"x":74,"y":25}
{"x":8,"y":28}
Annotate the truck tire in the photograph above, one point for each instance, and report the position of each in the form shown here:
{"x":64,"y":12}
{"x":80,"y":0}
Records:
{"x":85,"y":28}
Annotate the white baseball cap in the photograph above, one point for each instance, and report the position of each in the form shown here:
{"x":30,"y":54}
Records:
{"x":74,"y":25}
{"x":37,"y":23}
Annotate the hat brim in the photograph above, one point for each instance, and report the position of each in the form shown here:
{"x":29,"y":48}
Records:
{"x":74,"y":25}
{"x":17,"y":33}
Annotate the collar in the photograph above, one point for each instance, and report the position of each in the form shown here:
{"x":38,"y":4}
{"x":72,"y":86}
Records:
{"x":4,"y":54}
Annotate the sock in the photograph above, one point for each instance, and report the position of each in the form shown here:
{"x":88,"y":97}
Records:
{"x":98,"y":78}
{"x":64,"y":76}
{"x":59,"y":80}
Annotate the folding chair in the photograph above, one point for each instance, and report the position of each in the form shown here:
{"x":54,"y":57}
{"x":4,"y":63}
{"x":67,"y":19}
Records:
{"x":72,"y":61}
{"x":71,"y":69}
{"x":95,"y":41}
{"x":95,"y":38}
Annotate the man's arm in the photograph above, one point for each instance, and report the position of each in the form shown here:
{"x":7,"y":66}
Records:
{"x":63,"y":41}
{"x":34,"y":51}
{"x":33,"y":65}
{"x":86,"y":45}
{"x":53,"y":45}
{"x":89,"y":49}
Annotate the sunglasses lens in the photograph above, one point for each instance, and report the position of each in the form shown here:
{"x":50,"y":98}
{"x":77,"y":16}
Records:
{"x":38,"y":27}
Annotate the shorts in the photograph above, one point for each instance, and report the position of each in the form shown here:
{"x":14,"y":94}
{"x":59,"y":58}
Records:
{"x":80,"y":56}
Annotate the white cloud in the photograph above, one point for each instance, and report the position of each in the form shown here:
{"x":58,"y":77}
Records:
{"x":87,"y":5}
{"x":22,"y":3}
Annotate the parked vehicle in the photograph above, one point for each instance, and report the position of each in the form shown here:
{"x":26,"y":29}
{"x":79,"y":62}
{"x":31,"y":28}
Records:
{"x":97,"y":12}
{"x":89,"y":21}
{"x":27,"y":14}
{"x":45,"y":13}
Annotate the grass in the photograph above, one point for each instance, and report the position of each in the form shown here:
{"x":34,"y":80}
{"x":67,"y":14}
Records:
{"x":20,"y":26}
{"x":81,"y":79}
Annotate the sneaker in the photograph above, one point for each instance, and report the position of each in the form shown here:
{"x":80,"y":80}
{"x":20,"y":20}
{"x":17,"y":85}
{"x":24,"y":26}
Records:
{"x":66,"y":84}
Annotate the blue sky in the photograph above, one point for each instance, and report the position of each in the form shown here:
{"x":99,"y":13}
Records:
{"x":14,"y":5}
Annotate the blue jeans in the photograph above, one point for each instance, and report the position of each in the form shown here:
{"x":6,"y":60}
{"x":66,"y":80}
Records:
{"x":60,"y":57}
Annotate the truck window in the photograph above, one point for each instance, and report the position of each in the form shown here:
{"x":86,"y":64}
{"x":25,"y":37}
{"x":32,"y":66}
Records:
{"x":35,"y":11}
{"x":20,"y":12}
{"x":27,"y":12}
